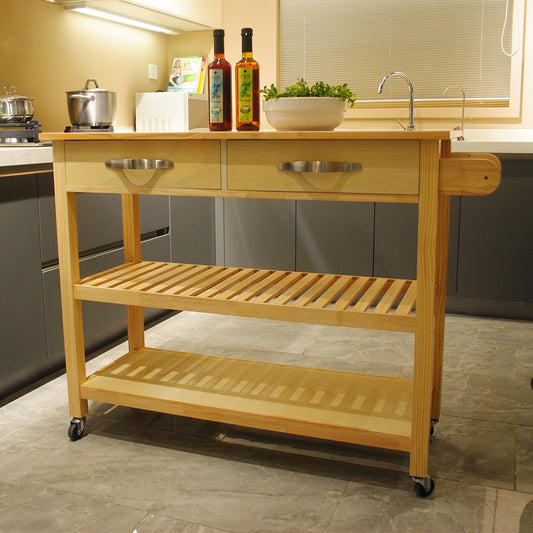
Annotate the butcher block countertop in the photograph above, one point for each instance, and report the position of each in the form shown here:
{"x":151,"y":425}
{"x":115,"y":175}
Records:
{"x":263,"y":135}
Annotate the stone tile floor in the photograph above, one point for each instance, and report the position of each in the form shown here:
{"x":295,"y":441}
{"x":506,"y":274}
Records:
{"x":136,"y":471}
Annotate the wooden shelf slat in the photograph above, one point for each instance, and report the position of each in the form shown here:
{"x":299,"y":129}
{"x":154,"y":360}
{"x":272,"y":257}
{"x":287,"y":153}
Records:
{"x":343,"y":406}
{"x":378,"y":303}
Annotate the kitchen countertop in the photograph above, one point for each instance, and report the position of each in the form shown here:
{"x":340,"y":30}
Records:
{"x":22,"y":155}
{"x":503,"y":142}
{"x":506,"y":143}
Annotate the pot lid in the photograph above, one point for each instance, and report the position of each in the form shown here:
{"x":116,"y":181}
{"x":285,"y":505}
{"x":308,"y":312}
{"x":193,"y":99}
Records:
{"x":95,"y":89}
{"x":10,"y":94}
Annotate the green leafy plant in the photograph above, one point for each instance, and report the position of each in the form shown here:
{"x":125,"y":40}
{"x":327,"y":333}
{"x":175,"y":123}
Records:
{"x":301,"y":88}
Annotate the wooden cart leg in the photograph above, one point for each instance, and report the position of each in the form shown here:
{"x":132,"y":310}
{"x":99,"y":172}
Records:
{"x":131,"y":227}
{"x":425,"y":308}
{"x":443,"y":233}
{"x":440,"y":311}
{"x":69,"y":274}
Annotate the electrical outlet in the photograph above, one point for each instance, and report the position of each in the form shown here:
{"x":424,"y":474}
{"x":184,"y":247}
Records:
{"x":152,"y":72}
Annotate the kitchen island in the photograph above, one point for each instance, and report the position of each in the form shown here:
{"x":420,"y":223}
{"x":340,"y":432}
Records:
{"x":353,"y":166}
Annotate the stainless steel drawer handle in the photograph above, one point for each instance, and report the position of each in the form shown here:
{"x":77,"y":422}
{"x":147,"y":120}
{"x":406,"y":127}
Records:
{"x":139,"y":164}
{"x":318,"y":167}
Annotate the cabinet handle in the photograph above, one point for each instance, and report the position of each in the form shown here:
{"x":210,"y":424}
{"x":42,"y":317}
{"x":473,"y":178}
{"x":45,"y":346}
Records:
{"x":139,"y":164}
{"x":318,"y":167}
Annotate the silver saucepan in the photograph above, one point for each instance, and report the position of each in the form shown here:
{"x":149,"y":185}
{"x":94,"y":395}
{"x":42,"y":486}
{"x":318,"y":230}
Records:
{"x":15,"y":108}
{"x":92,"y":107}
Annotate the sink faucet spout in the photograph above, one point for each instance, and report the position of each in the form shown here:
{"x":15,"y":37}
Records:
{"x":411,"y":126}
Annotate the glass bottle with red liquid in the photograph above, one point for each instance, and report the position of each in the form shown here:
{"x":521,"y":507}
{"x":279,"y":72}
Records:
{"x":219,"y":83}
{"x":247,"y":86}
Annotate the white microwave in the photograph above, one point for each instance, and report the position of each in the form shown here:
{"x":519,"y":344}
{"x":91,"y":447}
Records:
{"x":170,"y":111}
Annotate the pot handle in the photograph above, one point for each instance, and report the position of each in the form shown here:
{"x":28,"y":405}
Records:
{"x":139,"y":164}
{"x":88,"y":81}
{"x":318,"y":167}
{"x":82,"y":97}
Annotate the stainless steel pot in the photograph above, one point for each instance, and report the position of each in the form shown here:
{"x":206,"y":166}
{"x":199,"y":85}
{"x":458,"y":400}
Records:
{"x":15,"y":108}
{"x":92,"y":107}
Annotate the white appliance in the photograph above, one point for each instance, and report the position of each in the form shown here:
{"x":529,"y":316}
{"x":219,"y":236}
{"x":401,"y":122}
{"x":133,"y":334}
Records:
{"x":170,"y":111}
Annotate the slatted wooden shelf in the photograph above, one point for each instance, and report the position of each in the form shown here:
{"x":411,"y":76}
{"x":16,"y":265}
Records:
{"x":343,"y":406}
{"x":354,"y":301}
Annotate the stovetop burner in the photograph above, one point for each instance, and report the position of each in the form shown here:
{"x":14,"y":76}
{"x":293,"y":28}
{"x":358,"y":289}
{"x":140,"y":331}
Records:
{"x":87,"y":129}
{"x":20,"y":132}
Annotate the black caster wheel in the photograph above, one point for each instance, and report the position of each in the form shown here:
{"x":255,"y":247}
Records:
{"x":424,"y":487}
{"x":434,"y":422}
{"x":76,"y":429}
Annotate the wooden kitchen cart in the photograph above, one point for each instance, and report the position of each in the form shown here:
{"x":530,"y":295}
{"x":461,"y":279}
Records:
{"x":359,"y":166}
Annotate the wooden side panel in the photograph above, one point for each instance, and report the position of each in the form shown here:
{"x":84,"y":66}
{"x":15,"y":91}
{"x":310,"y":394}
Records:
{"x":388,"y":167}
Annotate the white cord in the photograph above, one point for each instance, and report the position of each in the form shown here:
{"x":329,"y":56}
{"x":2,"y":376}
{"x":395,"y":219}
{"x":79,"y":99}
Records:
{"x":513,"y":52}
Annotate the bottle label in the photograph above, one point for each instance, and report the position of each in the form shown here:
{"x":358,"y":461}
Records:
{"x":246,"y":94}
{"x":216,"y":95}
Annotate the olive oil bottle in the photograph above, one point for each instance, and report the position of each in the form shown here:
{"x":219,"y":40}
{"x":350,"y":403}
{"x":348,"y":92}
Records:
{"x":247,"y":86}
{"x":219,"y":83}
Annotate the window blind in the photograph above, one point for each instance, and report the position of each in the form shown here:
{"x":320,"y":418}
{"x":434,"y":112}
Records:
{"x":437,"y":43}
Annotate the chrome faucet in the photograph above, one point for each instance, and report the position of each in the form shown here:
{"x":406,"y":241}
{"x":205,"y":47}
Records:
{"x":461,"y":128}
{"x":411,"y":126}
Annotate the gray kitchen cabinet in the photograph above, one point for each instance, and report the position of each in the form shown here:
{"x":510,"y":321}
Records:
{"x":192,"y":235}
{"x":22,"y":332}
{"x":496,"y":239}
{"x":259,"y":233}
{"x":395,"y":244}
{"x":334,"y":237}
{"x":102,"y":322}
{"x":99,"y":219}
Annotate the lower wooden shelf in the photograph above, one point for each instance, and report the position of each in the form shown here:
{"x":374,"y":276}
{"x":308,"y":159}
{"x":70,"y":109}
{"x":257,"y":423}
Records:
{"x":337,"y":300}
{"x":342,"y":406}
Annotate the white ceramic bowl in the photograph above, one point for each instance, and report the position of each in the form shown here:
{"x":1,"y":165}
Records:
{"x":305,"y":113}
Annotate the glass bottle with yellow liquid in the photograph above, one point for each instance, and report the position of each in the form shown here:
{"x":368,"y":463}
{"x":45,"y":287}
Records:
{"x":247,"y":86}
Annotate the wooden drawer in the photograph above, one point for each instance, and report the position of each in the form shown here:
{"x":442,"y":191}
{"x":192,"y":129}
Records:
{"x":196,"y":164}
{"x":387,"y":167}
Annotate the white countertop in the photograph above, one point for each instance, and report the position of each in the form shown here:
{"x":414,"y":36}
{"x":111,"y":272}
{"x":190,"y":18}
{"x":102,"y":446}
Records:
{"x":501,"y":142}
{"x":504,"y":142}
{"x":32,"y":154}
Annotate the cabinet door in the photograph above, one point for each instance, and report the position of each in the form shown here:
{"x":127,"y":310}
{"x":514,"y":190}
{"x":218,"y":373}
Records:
{"x":22,"y":333}
{"x":99,"y":218}
{"x":396,"y":234}
{"x":259,"y":233}
{"x":102,"y":322}
{"x":335,"y":237}
{"x":192,"y":230}
{"x":496,"y":250}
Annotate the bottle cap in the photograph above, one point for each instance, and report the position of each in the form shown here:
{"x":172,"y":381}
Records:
{"x":218,"y":33}
{"x":246,"y":34}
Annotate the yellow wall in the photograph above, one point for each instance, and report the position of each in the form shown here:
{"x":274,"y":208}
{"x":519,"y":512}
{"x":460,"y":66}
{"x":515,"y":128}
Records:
{"x":46,"y":51}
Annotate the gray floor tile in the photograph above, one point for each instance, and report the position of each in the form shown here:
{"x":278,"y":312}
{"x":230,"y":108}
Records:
{"x":452,"y":508}
{"x":524,"y":458}
{"x":161,"y":524}
{"x":474,"y":451}
{"x":190,"y":486}
{"x":28,"y":507}
{"x":501,"y":399}
{"x":514,"y":512}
